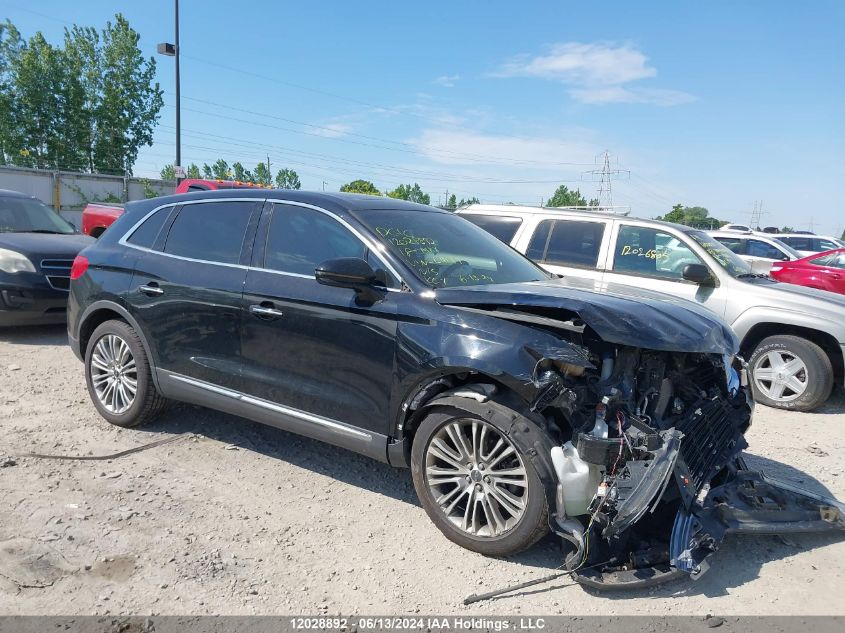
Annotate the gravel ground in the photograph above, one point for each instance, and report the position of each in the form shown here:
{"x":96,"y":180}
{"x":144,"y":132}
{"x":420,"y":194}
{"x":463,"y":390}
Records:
{"x":238,"y":518}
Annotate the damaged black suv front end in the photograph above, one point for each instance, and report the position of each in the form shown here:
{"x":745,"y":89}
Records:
{"x":646,"y":412}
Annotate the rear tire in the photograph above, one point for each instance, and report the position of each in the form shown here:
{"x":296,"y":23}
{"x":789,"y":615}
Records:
{"x":790,"y":372}
{"x":500,"y":503}
{"x":119,"y":377}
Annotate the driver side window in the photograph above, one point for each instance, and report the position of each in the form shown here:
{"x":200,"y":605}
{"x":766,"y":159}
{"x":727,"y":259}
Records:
{"x":651,"y":253}
{"x":300,"y":239}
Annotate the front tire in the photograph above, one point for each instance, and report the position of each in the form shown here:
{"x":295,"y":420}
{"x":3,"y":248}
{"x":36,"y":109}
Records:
{"x":476,"y":485}
{"x":119,"y":378}
{"x":790,"y":372}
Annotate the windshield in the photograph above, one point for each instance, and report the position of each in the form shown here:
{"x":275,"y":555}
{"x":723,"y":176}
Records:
{"x":786,"y":247}
{"x":23,"y":215}
{"x":725,"y":257}
{"x":444,"y":250}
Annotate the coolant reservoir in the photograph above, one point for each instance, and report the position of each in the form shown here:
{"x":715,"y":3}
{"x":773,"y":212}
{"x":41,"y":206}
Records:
{"x":579,"y":479}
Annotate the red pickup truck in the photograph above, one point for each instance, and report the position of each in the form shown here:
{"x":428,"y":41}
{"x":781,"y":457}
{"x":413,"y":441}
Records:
{"x":98,"y":216}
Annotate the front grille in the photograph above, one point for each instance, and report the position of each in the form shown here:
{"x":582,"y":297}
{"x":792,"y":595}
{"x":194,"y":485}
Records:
{"x":711,"y":433}
{"x":57,"y":272}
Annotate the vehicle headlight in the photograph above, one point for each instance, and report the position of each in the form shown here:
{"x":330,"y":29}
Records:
{"x":14,"y":262}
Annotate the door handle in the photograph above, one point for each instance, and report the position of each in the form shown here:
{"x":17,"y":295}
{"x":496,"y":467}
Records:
{"x":263,"y":311}
{"x":151,"y":289}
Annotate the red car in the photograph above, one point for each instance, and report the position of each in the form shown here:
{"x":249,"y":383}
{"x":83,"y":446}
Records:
{"x":825,"y":271}
{"x":97,"y":216}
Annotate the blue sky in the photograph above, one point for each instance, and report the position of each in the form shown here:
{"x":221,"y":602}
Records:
{"x":716,"y":104}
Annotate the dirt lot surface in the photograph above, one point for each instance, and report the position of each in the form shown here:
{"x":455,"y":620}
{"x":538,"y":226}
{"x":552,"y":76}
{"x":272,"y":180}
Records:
{"x":238,"y":518}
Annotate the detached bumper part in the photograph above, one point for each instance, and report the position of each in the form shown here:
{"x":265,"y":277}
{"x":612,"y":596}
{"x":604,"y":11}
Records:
{"x":749,"y":504}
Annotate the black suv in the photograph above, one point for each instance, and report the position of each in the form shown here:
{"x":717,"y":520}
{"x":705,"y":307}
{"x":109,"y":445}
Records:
{"x":520,"y":401}
{"x":37,"y":248}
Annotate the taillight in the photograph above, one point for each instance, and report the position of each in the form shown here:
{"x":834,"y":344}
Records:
{"x":80,"y":265}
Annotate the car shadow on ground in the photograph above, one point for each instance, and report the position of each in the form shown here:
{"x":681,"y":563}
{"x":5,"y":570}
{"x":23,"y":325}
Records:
{"x":34,"y":334}
{"x":332,"y":461}
{"x":737,"y":562}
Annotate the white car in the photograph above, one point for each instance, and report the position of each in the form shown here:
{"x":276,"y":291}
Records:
{"x":761,"y":250}
{"x":794,"y":337}
{"x":737,"y":227}
{"x":807,"y":244}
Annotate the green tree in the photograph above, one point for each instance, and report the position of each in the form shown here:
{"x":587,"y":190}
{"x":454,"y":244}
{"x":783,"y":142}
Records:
{"x":787,"y":229}
{"x":287,"y":179}
{"x":10,"y":48}
{"x":261,"y":174}
{"x":219,"y":170}
{"x":37,"y":109}
{"x":239,"y":173}
{"x":452,"y":202}
{"x":843,"y":236}
{"x":207,"y":172}
{"x":128,"y":108}
{"x":83,"y":58}
{"x":168,"y":172}
{"x":564,"y":197}
{"x":698,"y":217}
{"x":361,"y":186}
{"x":468,"y":201}
{"x":411,"y":193}
{"x":193,"y":171}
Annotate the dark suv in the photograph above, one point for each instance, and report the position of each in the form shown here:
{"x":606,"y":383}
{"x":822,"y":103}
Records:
{"x":520,"y":401}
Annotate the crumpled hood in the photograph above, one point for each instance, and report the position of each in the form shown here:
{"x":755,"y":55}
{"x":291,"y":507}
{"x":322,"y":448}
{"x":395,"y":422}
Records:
{"x":618,"y":314}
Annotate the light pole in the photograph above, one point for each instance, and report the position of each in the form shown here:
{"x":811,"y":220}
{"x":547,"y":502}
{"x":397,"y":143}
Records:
{"x":172,"y":50}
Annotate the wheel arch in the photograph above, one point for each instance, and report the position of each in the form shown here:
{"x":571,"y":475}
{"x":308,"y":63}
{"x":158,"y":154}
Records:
{"x":523,"y":427}
{"x":827,"y":342}
{"x":100,"y":312}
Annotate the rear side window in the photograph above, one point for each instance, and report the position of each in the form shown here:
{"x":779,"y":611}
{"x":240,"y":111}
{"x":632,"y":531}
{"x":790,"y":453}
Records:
{"x":825,"y":245}
{"x":758,"y":248}
{"x":799,"y":243}
{"x":500,"y":227}
{"x":146,"y":234}
{"x":733,"y":243}
{"x":824,"y":260}
{"x":301,"y":239}
{"x":210,"y":231}
{"x":567,"y":243}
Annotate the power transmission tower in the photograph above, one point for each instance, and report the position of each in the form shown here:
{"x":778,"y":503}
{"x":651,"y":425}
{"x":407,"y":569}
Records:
{"x":756,"y":215}
{"x":606,"y":174}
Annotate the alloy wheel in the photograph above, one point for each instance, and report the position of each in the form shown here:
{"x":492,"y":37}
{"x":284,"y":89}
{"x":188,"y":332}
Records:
{"x":114,"y":374}
{"x":476,"y":477}
{"x":780,"y":375}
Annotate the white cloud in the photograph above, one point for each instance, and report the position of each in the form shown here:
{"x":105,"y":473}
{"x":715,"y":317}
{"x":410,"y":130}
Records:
{"x":332,"y":130}
{"x":620,"y":94}
{"x":596,"y":73}
{"x":447,"y":81}
{"x":465,"y":147}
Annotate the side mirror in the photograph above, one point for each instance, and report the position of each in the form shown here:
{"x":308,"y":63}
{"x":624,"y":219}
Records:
{"x":697,"y":273}
{"x":346,"y":272}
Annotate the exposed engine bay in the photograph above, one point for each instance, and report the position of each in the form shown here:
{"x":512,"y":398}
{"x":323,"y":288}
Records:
{"x":642,"y":408}
{"x":647,"y":457}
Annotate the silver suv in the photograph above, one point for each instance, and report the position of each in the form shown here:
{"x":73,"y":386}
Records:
{"x":793,"y":336}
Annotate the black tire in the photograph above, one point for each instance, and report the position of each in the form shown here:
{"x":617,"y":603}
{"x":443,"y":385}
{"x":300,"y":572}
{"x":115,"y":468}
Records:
{"x":530,"y":527}
{"x":818,"y":373}
{"x":147,"y":403}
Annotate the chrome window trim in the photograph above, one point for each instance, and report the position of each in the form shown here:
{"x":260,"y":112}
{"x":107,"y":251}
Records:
{"x":371,"y":245}
{"x":335,"y":425}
